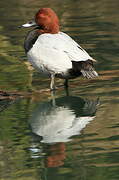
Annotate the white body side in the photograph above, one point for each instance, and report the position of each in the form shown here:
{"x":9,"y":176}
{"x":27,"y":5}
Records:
{"x":53,"y":53}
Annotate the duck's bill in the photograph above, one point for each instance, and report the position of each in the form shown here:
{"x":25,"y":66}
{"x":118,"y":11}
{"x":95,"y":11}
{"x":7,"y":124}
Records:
{"x":28,"y":24}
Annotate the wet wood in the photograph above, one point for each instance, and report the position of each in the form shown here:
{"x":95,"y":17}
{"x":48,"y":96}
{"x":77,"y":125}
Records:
{"x":9,"y":95}
{"x":23,"y":94}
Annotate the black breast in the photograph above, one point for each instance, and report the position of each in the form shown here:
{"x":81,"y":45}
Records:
{"x":30,"y":39}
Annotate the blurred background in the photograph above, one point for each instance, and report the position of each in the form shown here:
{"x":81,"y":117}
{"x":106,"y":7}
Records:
{"x":91,"y":150}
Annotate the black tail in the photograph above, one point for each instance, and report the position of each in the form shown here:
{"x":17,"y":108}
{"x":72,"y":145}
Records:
{"x":83,"y":67}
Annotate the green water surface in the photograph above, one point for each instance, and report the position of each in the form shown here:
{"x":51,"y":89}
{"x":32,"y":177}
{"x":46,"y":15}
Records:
{"x":67,"y":135}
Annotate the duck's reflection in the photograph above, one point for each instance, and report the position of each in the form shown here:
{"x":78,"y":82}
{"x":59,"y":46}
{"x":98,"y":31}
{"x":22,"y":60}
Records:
{"x":61,"y":118}
{"x":55,"y":155}
{"x":56,"y":121}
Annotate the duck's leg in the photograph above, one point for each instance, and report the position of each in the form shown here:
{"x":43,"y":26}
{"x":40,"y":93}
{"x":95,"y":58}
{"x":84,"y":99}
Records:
{"x":52,"y":84}
{"x":66,"y":83}
{"x":53,"y":98}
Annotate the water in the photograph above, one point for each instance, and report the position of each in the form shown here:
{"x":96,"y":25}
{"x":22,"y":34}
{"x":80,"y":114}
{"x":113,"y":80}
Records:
{"x":44,"y":135}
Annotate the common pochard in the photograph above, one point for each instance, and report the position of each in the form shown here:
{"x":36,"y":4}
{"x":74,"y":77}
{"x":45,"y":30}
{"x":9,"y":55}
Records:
{"x":53,"y":52}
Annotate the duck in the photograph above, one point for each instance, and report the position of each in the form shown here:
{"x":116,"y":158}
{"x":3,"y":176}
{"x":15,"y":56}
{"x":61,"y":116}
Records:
{"x":54,"y":53}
